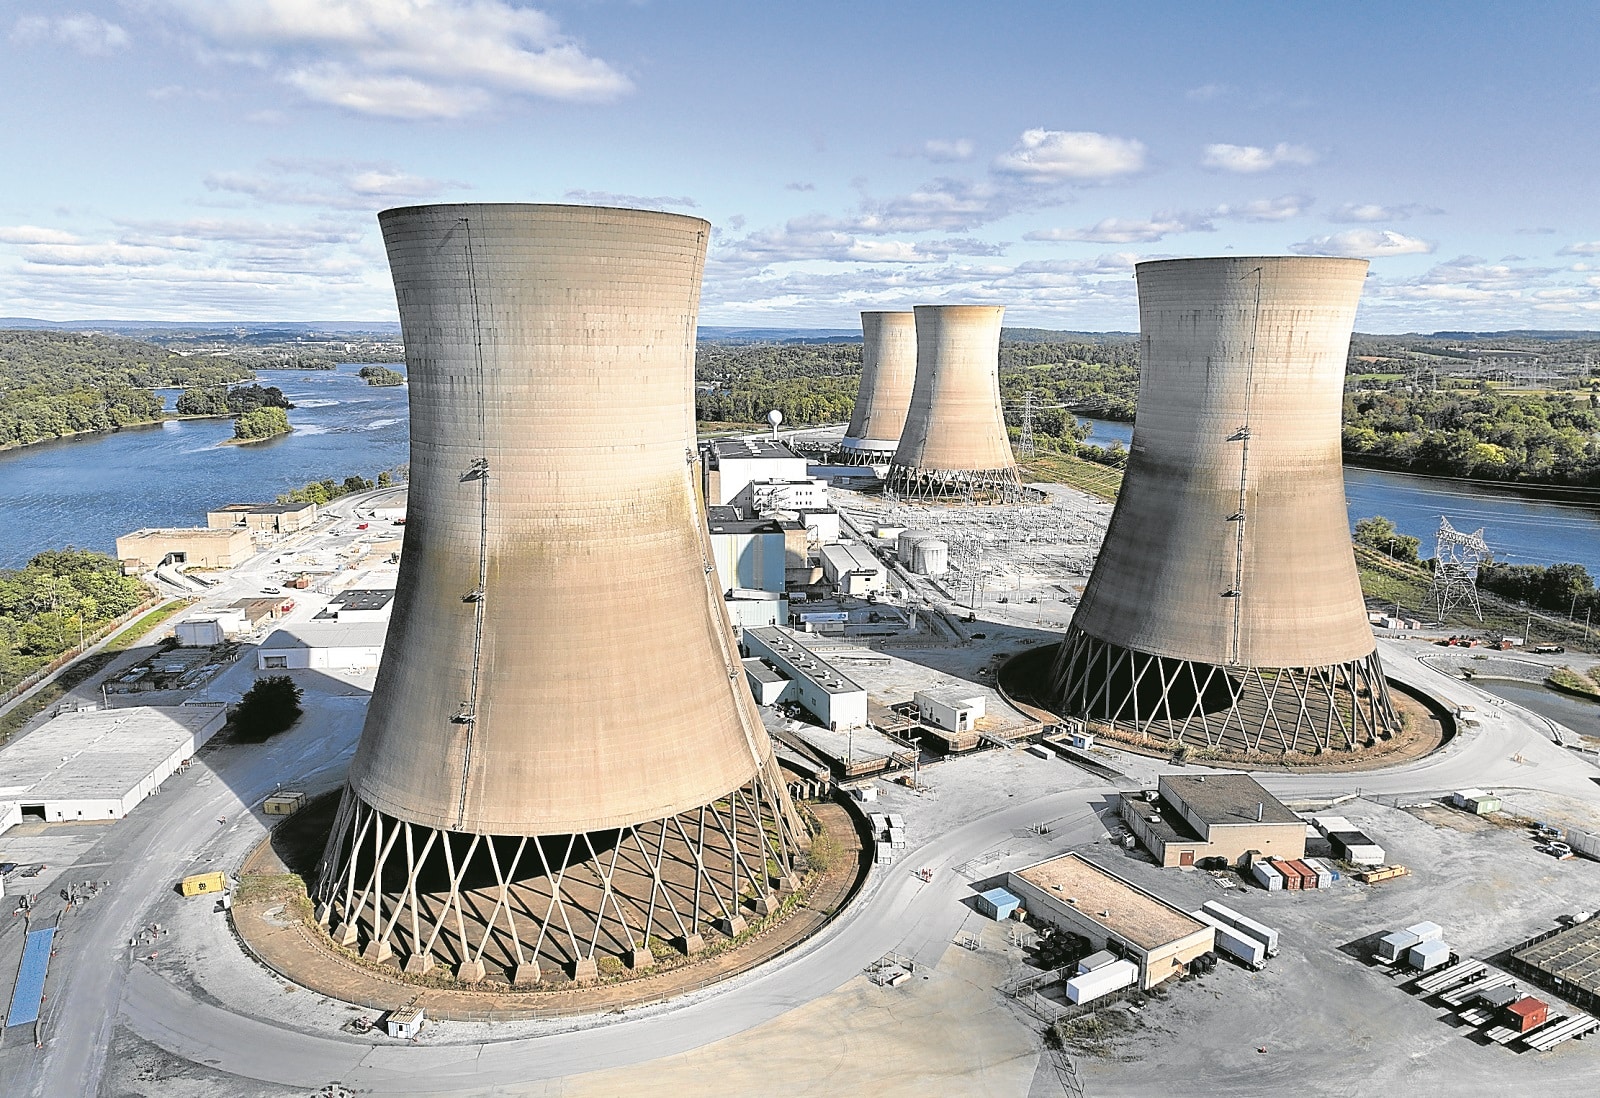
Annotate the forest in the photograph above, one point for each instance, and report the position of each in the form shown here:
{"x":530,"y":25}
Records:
{"x":59,"y":596}
{"x":230,"y":402}
{"x":54,"y":384}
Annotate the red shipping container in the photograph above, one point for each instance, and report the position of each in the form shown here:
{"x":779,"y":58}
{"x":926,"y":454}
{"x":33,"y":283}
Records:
{"x":1308,"y":876}
{"x":1291,"y":875}
{"x":1526,"y":1013}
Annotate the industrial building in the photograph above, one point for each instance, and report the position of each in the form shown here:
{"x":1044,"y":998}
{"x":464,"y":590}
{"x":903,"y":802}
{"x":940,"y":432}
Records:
{"x":825,"y":692}
{"x":521,"y":715}
{"x":750,"y":608}
{"x":888,"y":374}
{"x":854,"y":570}
{"x":358,"y":604}
{"x":952,"y":710}
{"x":143,"y":550}
{"x":1565,"y":961}
{"x":1224,"y":816}
{"x":954,"y":443}
{"x":263,"y":518}
{"x":731,"y":466}
{"x":749,"y":553}
{"x":1075,"y":894}
{"x":1224,"y":608}
{"x":98,"y":764}
{"x":322,"y":645}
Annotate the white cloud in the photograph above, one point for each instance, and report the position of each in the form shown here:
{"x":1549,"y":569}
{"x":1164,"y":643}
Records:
{"x":1207,"y":92}
{"x":1283,"y":208}
{"x":1124,"y":230}
{"x":1370,"y":211}
{"x":1253,"y":158}
{"x":631,"y":201}
{"x":1374,"y":243}
{"x":88,"y":34}
{"x":944,"y":205}
{"x":341,"y":185}
{"x":1066,"y":156}
{"x":403,"y":58}
{"x":1585,"y":247}
{"x":33,"y":234}
{"x":943,"y":152}
{"x":793,"y":244}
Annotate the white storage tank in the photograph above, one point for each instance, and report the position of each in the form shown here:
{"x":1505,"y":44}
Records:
{"x":930,"y":557}
{"x":906,"y":542}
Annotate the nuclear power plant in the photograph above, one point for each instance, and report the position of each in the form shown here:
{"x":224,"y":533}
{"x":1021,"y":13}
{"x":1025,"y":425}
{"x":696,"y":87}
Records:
{"x":953,"y":445}
{"x":561,"y":763}
{"x":1225,"y":608}
{"x":888,"y":374}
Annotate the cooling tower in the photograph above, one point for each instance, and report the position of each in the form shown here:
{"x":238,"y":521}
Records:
{"x":954,"y":441}
{"x":1225,"y":604}
{"x":888,"y":372}
{"x":561,"y":760}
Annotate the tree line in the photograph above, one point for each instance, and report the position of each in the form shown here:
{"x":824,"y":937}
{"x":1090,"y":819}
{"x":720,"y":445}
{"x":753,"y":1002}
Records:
{"x":322,"y":491}
{"x":57,"y":597}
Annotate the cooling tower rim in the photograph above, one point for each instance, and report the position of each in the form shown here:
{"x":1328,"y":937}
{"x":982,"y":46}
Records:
{"x":1242,"y":260}
{"x":398,"y":212}
{"x":958,"y":308}
{"x":887,"y":312}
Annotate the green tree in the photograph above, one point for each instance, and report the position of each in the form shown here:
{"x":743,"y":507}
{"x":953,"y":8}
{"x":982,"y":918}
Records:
{"x":267,"y":708}
{"x":262,"y":422}
{"x":1379,"y":533}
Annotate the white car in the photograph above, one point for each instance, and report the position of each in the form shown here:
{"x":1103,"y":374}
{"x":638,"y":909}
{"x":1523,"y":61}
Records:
{"x":272,"y":590}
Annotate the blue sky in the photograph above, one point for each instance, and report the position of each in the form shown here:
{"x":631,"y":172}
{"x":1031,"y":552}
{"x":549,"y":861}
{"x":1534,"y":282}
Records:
{"x":224,"y":159}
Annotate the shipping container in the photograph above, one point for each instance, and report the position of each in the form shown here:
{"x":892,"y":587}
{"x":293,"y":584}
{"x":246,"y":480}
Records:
{"x":1325,"y":873}
{"x":1235,"y":942}
{"x":1426,"y":932}
{"x":1096,"y":960}
{"x":1267,"y":877}
{"x":1291,"y":876}
{"x":1308,"y":876}
{"x":1392,"y":947}
{"x":1259,"y":931}
{"x":1584,"y":842}
{"x":1525,"y":1014}
{"x":201,"y":884}
{"x":1355,"y":847}
{"x":1088,"y":986}
{"x":1428,"y":955}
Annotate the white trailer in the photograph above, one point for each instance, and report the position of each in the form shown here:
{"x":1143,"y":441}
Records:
{"x":1266,"y":876}
{"x":1235,"y":942}
{"x":1392,"y":947}
{"x":1088,"y":986}
{"x":1266,"y":935}
{"x":1584,"y":842}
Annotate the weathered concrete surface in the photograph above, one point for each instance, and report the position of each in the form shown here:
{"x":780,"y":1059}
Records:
{"x":888,"y":373}
{"x":955,"y":422}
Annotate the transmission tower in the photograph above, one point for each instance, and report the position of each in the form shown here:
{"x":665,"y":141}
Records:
{"x":1455,"y":573}
{"x":1025,"y":443}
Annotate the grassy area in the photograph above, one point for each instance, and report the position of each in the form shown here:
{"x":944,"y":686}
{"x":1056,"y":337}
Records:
{"x":135,"y":630}
{"x":709,"y":428}
{"x":1086,"y":476}
{"x":1577,"y":682}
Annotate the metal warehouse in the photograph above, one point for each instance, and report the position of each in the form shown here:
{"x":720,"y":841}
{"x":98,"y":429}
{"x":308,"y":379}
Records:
{"x":97,"y":764}
{"x":1073,"y":893}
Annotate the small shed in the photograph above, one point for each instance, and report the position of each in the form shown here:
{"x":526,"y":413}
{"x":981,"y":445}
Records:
{"x":1498,"y":998}
{"x":998,"y":904}
{"x":1476,"y":801}
{"x":404,"y":1023}
{"x":285,"y":802}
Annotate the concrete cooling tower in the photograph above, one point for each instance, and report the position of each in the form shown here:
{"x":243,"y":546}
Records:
{"x":954,"y":443}
{"x":888,"y":372}
{"x":561,"y":761}
{"x":1225,"y":608}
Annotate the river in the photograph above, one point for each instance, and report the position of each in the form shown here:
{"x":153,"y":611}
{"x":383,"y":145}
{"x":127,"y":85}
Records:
{"x":88,"y":491}
{"x":1581,"y":716}
{"x":1519,"y":525}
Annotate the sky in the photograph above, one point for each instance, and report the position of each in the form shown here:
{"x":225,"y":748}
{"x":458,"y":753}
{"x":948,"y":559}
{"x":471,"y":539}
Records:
{"x":224,"y":160}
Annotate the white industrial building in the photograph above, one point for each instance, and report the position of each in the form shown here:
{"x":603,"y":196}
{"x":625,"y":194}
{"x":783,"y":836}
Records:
{"x":97,"y":764}
{"x":322,"y":645}
{"x":854,"y":569}
{"x":951,"y":710}
{"x":752,"y":609}
{"x":815,"y":684}
{"x":749,"y":554}
{"x":766,"y":496}
{"x":731,"y":465}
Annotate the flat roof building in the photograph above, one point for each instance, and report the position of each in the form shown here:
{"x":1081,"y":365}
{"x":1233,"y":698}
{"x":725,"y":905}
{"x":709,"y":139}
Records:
{"x":316,"y":644}
{"x":825,"y":692}
{"x":1568,"y":963}
{"x":732,"y":464}
{"x":97,"y":764}
{"x":263,"y":518}
{"x":1212,"y":815}
{"x":1073,"y":893}
{"x":357,"y":604}
{"x":143,"y":550}
{"x":951,"y":710}
{"x":749,"y":553}
{"x":853,"y":569}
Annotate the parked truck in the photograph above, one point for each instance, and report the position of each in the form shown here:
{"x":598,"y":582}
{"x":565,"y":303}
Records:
{"x":1266,"y":935}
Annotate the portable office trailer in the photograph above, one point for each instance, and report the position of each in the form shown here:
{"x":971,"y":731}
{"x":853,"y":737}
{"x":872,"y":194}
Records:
{"x":1235,"y":942}
{"x":1088,"y":986}
{"x":1392,"y":947}
{"x":1259,"y":931}
{"x":283,"y":803}
{"x":1428,"y":955}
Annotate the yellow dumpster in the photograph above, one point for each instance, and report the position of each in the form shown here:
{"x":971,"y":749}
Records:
{"x":201,"y":884}
{"x":284,"y":803}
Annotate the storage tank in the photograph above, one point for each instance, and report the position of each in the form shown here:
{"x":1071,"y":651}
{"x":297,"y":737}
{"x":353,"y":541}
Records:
{"x":954,"y":444}
{"x":930,"y":557}
{"x":905,"y":545}
{"x":1224,"y":608}
{"x":888,"y":374}
{"x":522,"y":753}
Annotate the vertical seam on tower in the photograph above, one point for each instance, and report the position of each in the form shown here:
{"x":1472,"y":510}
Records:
{"x":1244,"y":473}
{"x":481,"y":469}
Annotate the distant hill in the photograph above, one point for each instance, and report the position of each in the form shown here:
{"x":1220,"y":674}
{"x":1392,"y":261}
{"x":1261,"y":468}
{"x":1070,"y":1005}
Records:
{"x":1517,"y":333}
{"x":251,"y":331}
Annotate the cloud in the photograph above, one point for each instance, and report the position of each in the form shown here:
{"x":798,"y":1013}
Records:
{"x":1374,"y":243}
{"x":340,"y":185}
{"x":631,"y":201}
{"x":1369,"y":211}
{"x":945,"y":152}
{"x":943,"y":205}
{"x":1121,"y":230}
{"x":403,"y":58}
{"x":1207,"y":92}
{"x":88,"y":34}
{"x":792,"y":244}
{"x":33,"y":234}
{"x":1253,"y":158}
{"x":1583,"y":247}
{"x":799,"y":186}
{"x":1070,"y":156}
